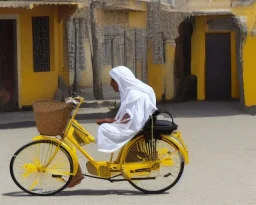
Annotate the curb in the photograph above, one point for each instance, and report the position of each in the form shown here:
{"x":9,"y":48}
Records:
{"x":13,"y":125}
{"x":100,"y":103}
{"x":88,"y":104}
{"x":80,"y":117}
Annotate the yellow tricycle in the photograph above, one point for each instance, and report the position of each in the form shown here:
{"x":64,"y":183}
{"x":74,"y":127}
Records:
{"x":152,"y":162}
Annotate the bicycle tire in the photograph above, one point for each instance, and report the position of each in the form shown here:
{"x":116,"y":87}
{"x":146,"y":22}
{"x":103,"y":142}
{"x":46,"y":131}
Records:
{"x":31,"y":144}
{"x":182,"y":165}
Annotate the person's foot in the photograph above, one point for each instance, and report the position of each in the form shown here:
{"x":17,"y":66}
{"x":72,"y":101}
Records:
{"x":77,"y":178}
{"x":75,"y":182}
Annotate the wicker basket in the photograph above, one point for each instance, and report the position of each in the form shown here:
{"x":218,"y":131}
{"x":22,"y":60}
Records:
{"x":51,"y":116}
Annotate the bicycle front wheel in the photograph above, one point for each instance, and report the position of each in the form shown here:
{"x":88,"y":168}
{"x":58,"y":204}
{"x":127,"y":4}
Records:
{"x":41,"y":168}
{"x":165,"y":165}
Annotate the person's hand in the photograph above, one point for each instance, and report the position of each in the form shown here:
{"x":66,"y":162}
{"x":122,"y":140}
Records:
{"x":106,"y":120}
{"x":77,"y":99}
{"x":99,"y":122}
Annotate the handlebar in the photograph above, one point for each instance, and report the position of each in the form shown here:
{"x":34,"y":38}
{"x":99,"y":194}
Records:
{"x":74,"y":101}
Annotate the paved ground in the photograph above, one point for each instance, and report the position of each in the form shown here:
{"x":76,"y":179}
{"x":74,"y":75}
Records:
{"x":222,"y":146}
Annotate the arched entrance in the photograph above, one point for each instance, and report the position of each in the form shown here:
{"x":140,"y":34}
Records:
{"x":208,"y":59}
{"x":186,"y":82}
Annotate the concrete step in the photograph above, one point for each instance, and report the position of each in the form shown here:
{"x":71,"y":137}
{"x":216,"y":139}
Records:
{"x":100,"y":103}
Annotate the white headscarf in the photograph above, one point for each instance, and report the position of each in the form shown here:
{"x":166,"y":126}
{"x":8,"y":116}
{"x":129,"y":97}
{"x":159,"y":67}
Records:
{"x":127,"y":81}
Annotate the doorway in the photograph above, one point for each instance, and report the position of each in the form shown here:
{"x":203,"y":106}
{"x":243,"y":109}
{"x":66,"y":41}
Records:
{"x":8,"y":66}
{"x":218,"y":66}
{"x":186,"y":82}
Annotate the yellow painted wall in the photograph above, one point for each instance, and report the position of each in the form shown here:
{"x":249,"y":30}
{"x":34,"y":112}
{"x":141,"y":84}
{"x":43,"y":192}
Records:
{"x":161,"y":76}
{"x":127,"y":5}
{"x":38,"y":85}
{"x":141,"y":6}
{"x":249,"y":63}
{"x":155,"y":73}
{"x":63,"y":67}
{"x":199,"y":5}
{"x":86,"y":75}
{"x":138,"y":19}
{"x":198,"y":57}
{"x":168,"y":73}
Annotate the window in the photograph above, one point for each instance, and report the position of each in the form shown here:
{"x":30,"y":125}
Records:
{"x":41,"y":43}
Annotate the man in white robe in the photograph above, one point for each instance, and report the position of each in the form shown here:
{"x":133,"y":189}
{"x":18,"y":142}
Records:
{"x":138,"y":102}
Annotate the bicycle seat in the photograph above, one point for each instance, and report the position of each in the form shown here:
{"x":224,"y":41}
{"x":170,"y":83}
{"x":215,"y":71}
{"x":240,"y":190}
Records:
{"x":161,"y":127}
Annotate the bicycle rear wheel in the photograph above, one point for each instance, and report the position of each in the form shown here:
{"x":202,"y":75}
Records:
{"x":168,"y":162}
{"x":31,"y":171}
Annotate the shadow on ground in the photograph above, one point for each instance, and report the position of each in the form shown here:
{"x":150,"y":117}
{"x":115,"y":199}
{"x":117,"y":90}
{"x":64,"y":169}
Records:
{"x":84,"y":192}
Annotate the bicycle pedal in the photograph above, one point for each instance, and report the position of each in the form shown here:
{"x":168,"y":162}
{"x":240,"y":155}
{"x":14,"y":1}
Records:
{"x":56,"y":176}
{"x":59,"y":177}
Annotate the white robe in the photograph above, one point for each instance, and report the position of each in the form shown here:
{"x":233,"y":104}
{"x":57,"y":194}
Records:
{"x":112,"y":136}
{"x":137,"y":100}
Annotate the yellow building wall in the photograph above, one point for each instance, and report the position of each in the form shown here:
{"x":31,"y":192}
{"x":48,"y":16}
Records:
{"x":138,"y":19}
{"x":198,"y":56}
{"x":208,"y":4}
{"x":249,"y":63}
{"x":38,"y":85}
{"x":161,"y":76}
{"x":155,"y":73}
{"x":86,"y":75}
{"x":63,"y":60}
{"x":168,"y":72}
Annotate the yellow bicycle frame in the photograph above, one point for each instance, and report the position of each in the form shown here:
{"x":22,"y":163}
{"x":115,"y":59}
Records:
{"x":69,"y":143}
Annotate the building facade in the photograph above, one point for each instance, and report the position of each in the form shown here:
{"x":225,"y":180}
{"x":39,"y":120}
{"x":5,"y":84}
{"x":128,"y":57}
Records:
{"x":31,"y":50}
{"x":218,"y":50}
{"x":185,"y":49}
{"x":114,"y":34}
